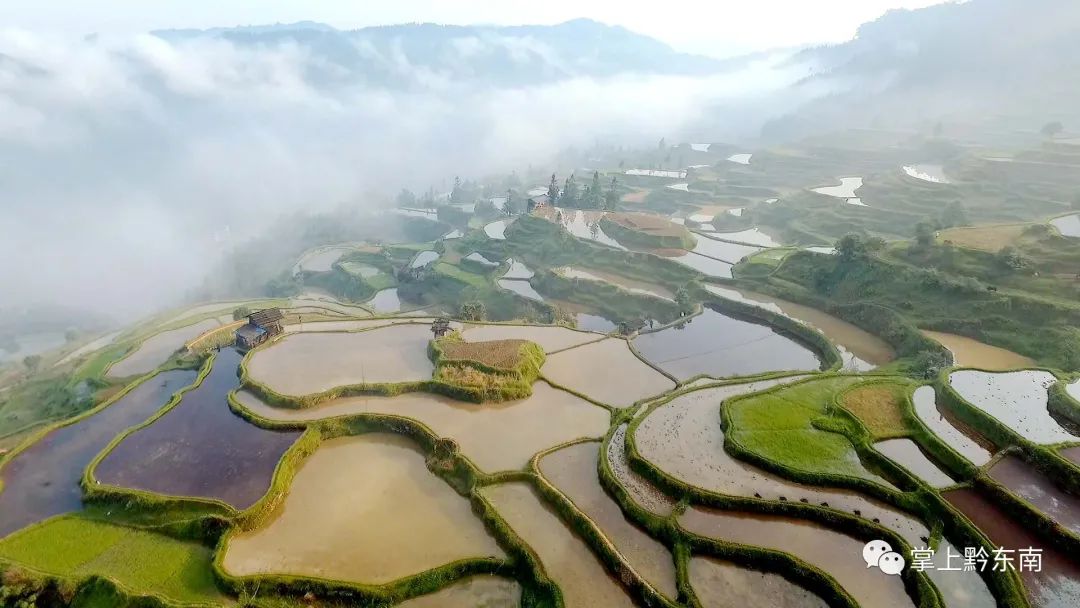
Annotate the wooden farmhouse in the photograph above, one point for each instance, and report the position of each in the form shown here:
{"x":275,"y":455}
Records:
{"x":261,"y":326}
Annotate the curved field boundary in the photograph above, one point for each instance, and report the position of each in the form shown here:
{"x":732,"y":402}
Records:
{"x":1044,"y":458}
{"x":52,"y":426}
{"x":685,"y":544}
{"x":917,"y":584}
{"x":617,"y":565}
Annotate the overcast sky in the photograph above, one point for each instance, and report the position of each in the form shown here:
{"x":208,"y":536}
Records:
{"x":718,"y":27}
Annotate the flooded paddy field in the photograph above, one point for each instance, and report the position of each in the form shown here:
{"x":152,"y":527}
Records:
{"x":1028,"y":483}
{"x":200,"y":448}
{"x":715,"y":344}
{"x":740,"y":159}
{"x":363,"y":509}
{"x":424,"y":258}
{"x":306,"y":363}
{"x":43,"y":480}
{"x":353,"y":325}
{"x":494,"y":436}
{"x":723,"y":250}
{"x":860,"y":349}
{"x":707,"y":266}
{"x":1017,"y":399}
{"x":517,"y":270}
{"x":719,"y":583}
{"x":907,"y":454}
{"x":522,"y":288}
{"x":958,"y":588}
{"x":846,"y":189}
{"x":1074,"y":389}
{"x":482,"y":591}
{"x":385,"y":301}
{"x":573,"y":470}
{"x":685,"y":439}
{"x":565,"y":557}
{"x":480,"y":259}
{"x":752,"y":236}
{"x":1058,"y":583}
{"x":497,"y":230}
{"x":584,"y":225}
{"x":927,"y":172}
{"x":606,"y":371}
{"x":588,"y":274}
{"x":969,"y":352}
{"x":927,"y":411}
{"x":595,"y":323}
{"x":1068,"y":225}
{"x":90,"y":347}
{"x":321,"y":260}
{"x":156,"y":349}
{"x":640,"y":489}
{"x":805,"y":540}
{"x":550,"y":338}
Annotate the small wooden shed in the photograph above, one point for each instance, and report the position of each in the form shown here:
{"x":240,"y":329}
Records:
{"x":261,"y":326}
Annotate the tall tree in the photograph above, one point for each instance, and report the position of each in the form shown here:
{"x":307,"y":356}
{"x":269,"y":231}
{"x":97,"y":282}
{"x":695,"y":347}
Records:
{"x":553,"y":189}
{"x":924,"y":234}
{"x":1053,"y":128}
{"x":569,"y":196}
{"x":596,"y":192}
{"x":457,"y":193}
{"x":611,"y":197}
{"x":406,"y":198}
{"x":662,"y":144}
{"x":511,"y":207}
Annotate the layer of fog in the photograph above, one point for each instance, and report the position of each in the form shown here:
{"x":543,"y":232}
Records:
{"x":128,"y":166}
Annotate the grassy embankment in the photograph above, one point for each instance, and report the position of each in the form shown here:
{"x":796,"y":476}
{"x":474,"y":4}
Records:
{"x":497,"y":370}
{"x":1043,"y":329}
{"x":787,"y":442}
{"x":646,"y":231}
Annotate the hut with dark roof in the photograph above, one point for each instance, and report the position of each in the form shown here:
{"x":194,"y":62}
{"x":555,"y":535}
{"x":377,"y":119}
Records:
{"x":261,"y":326}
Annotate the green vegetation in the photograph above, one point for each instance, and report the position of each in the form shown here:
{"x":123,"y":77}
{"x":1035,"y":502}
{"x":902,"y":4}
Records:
{"x":497,"y":370}
{"x":74,"y":547}
{"x":786,"y":427}
{"x":879,"y":407}
{"x":646,"y":231}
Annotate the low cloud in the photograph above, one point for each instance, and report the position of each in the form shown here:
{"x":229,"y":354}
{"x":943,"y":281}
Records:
{"x":122,"y":159}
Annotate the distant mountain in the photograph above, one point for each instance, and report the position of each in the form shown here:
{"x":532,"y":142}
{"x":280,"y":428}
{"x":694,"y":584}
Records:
{"x":512,"y":55}
{"x":1013,"y":61}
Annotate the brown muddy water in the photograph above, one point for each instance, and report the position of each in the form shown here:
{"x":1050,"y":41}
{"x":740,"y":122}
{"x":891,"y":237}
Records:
{"x":550,"y":338}
{"x":972,"y":353}
{"x":156,"y":349}
{"x":43,"y":480}
{"x":720,"y":584}
{"x":482,"y":591}
{"x":1017,"y":399}
{"x":907,"y":454}
{"x":927,"y":411}
{"x":606,"y":371}
{"x":640,"y":489}
{"x":685,"y":439}
{"x":573,"y":470}
{"x":200,"y":448}
{"x":363,"y":509}
{"x":1031,"y":485}
{"x":565,"y":557}
{"x":860,"y":349}
{"x":832,"y":552}
{"x":1057,"y":585}
{"x":718,"y":345}
{"x":306,"y":363}
{"x":494,"y":436}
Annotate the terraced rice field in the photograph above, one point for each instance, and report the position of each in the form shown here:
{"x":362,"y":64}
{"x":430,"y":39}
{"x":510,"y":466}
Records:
{"x":606,"y":371}
{"x":573,"y":470}
{"x":805,"y":540}
{"x":306,"y":363}
{"x":720,"y":583}
{"x":564,"y":556}
{"x":719,"y":345}
{"x":156,"y":349}
{"x":495,"y":436}
{"x":363,"y":509}
{"x":1017,"y":399}
{"x":972,"y":353}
